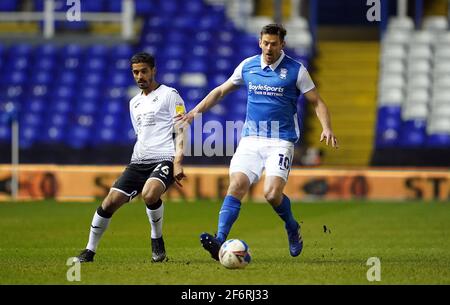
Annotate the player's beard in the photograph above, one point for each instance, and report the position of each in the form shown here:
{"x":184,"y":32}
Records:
{"x":144,"y":84}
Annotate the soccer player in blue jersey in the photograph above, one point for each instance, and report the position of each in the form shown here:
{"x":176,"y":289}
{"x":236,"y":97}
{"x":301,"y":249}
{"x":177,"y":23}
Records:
{"x":274,"y":83}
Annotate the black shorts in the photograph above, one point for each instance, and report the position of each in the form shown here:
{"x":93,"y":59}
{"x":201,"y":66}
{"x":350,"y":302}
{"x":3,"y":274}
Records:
{"x":133,"y":179}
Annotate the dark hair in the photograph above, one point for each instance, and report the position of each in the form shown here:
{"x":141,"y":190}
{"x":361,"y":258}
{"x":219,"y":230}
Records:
{"x":143,"y":57}
{"x":274,"y":29}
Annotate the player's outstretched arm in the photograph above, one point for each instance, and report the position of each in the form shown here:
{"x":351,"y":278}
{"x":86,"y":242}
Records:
{"x":208,"y":102}
{"x":323,"y":114}
{"x":180,"y":137}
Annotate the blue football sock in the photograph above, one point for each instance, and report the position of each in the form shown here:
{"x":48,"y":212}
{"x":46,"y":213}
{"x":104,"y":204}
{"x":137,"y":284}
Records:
{"x":227,"y":216}
{"x":285,"y":213}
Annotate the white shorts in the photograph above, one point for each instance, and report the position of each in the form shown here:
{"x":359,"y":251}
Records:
{"x":254,"y":154}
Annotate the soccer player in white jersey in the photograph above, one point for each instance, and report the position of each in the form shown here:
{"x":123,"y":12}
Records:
{"x":156,"y":161}
{"x":274,"y":83}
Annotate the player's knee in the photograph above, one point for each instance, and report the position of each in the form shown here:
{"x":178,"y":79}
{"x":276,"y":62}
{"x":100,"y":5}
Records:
{"x":150,"y":197}
{"x":112,"y":202}
{"x":273,"y":196}
{"x":238,"y":189}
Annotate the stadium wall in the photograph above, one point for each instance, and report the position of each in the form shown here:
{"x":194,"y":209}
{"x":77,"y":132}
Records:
{"x":86,"y":183}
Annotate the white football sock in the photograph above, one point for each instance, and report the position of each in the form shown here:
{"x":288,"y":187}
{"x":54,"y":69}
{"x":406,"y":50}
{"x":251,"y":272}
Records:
{"x":156,"y":220}
{"x":98,"y":226}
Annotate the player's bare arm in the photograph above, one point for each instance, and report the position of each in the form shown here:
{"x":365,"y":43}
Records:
{"x":180,"y":136}
{"x":323,"y":115}
{"x":208,"y":102}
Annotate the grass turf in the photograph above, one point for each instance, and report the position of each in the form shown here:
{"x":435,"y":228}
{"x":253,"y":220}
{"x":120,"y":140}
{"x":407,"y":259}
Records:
{"x":410,"y":239}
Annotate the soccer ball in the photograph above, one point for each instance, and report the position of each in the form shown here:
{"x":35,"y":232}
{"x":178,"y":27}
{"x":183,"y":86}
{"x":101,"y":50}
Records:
{"x":234,"y":254}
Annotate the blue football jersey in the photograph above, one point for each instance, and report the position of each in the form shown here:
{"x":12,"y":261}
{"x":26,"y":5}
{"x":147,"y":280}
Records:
{"x":272,"y":94}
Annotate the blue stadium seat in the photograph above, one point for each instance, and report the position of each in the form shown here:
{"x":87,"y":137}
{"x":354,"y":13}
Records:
{"x":249,"y":50}
{"x":157,"y":23}
{"x":193,"y":7}
{"x":389,"y":117}
{"x":200,"y":50}
{"x":19,"y":62}
{"x":169,"y":8}
{"x":71,"y":50}
{"x":153,"y":38}
{"x":223,"y":65}
{"x":204,"y":36}
{"x":176,"y":38}
{"x":30,"y":119}
{"x":171,"y":65}
{"x":21,"y":49}
{"x":57,"y":120}
{"x":39,"y":91}
{"x":106,"y":135}
{"x":64,"y":92}
{"x":114,"y":6}
{"x":115,"y":93}
{"x":121,"y":79}
{"x":225,"y":36}
{"x":438,"y":140}
{"x":15,"y":92}
{"x":217,"y":79}
{"x":42,"y":78}
{"x":52,"y":134}
{"x":9,"y":5}
{"x":60,"y":5}
{"x":193,"y":94}
{"x":45,"y":50}
{"x":86,"y":106}
{"x":224,"y":51}
{"x":389,"y":126}
{"x":413,"y":133}
{"x":196,"y":65}
{"x":5,"y":133}
{"x":61,"y":106}
{"x":152,"y":49}
{"x":44,"y":64}
{"x":185,"y":22}
{"x":94,"y":64}
{"x":92,"y":79}
{"x":15,"y":77}
{"x":68,"y":77}
{"x":111,"y":120}
{"x":71,"y":63}
{"x":36,"y":105}
{"x":96,"y":50}
{"x":209,"y":22}
{"x":78,"y":137}
{"x":126,"y":133}
{"x":114,"y":106}
{"x":92,"y":6}
{"x":145,"y":7}
{"x":388,"y":137}
{"x":121,"y":64}
{"x":124,"y":51}
{"x":28,"y":136}
{"x":89,"y":92}
{"x":170,"y":79}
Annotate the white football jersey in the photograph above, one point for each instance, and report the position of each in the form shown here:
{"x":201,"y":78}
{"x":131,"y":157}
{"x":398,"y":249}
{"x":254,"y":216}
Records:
{"x":153,"y":123}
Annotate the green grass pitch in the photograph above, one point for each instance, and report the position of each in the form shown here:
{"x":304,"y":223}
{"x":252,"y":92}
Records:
{"x":411,"y":239}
